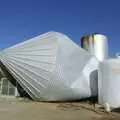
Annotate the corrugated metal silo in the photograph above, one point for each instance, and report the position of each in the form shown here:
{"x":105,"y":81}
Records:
{"x":96,"y":44}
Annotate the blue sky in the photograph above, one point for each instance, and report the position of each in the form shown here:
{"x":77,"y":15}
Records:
{"x":23,"y":19}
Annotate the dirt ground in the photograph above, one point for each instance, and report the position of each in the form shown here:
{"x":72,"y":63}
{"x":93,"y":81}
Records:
{"x":14,"y":109}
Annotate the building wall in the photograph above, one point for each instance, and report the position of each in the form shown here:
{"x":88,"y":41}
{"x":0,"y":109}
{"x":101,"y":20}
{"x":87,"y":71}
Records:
{"x":6,"y":87}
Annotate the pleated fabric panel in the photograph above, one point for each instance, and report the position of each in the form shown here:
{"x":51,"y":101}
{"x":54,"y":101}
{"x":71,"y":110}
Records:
{"x":50,"y":67}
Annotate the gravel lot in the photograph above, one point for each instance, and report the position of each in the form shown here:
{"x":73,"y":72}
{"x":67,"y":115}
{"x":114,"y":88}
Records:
{"x":19,"y":109}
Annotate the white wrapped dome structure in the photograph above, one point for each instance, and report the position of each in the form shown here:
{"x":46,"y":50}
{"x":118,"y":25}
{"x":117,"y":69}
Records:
{"x":52,"y":67}
{"x":109,"y":82}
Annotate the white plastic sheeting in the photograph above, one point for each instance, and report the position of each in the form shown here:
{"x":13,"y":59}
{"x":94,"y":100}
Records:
{"x":52,"y":67}
{"x":109,"y":82}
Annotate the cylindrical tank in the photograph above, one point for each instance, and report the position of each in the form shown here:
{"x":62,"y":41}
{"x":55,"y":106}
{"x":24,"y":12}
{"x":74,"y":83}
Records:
{"x":109,"y":82}
{"x":96,"y":44}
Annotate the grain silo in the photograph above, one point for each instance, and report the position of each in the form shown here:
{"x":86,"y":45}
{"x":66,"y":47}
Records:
{"x":96,"y":44}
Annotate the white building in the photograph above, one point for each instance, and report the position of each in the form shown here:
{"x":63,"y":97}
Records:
{"x":52,"y":67}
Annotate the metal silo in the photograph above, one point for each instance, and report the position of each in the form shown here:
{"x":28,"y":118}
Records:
{"x":96,"y":44}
